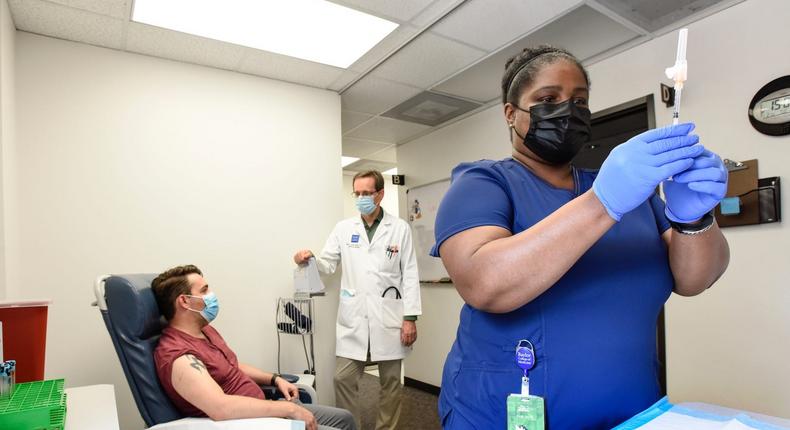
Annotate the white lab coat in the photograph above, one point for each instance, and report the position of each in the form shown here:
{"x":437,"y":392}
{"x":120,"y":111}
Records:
{"x":368,"y":270}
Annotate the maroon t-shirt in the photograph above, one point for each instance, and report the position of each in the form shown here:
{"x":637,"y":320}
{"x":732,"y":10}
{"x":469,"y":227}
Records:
{"x":220,"y":361}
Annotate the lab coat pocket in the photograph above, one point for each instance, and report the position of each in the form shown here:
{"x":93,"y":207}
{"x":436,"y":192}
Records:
{"x":348,"y":311}
{"x":391,"y":313}
{"x":390,"y":262}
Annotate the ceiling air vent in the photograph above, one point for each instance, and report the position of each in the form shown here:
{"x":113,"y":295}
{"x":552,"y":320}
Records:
{"x":431,"y":108}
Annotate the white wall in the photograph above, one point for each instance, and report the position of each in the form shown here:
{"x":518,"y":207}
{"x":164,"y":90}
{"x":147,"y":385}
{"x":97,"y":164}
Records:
{"x":127,"y":163}
{"x":7,"y":54}
{"x":728,"y":346}
{"x":428,"y":159}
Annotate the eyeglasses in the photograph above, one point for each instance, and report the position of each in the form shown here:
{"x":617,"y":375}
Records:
{"x":363,"y":194}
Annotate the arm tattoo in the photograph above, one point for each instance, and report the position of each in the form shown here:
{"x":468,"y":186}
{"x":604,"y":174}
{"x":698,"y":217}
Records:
{"x":197,"y":364}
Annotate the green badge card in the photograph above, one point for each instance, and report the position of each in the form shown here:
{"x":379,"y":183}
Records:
{"x":525,"y":412}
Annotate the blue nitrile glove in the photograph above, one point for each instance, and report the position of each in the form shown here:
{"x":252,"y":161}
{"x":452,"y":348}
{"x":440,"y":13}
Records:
{"x":693,"y":193}
{"x":633,"y":170}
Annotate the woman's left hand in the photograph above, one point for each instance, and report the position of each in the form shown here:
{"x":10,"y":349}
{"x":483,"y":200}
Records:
{"x":693,"y":193}
{"x":289,"y":390}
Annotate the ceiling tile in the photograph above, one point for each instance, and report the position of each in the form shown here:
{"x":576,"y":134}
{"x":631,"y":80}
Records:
{"x":584,"y":32}
{"x":489,"y":25}
{"x":375,"y":95}
{"x":113,"y":8}
{"x":655,"y":15}
{"x":350,"y":119}
{"x":430,"y":108}
{"x":427,"y":60}
{"x":480,"y":82}
{"x":160,"y":42}
{"x":361,"y":148}
{"x":399,"y":10}
{"x":436,"y":10}
{"x":344,"y":79}
{"x":364,"y":165}
{"x":394,"y":40}
{"x":50,"y":19}
{"x":387,"y":130}
{"x":289,"y":69}
{"x":389,"y":154}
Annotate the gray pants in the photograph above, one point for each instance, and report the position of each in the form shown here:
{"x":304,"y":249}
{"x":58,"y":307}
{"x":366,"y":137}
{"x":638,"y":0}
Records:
{"x":347,"y":375}
{"x":330,"y":418}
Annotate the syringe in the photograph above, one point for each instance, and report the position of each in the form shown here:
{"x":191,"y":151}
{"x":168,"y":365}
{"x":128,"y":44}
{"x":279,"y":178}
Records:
{"x":679,"y":72}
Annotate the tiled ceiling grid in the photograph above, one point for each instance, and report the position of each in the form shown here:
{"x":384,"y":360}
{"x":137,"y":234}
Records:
{"x":452,"y":47}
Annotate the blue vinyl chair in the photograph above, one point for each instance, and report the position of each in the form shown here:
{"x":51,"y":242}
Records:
{"x":134,"y":322}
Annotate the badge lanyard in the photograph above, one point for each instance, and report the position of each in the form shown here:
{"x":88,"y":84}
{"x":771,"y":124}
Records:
{"x":525,"y":358}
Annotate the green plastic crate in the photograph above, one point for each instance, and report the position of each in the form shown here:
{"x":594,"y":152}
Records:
{"x":39,"y":405}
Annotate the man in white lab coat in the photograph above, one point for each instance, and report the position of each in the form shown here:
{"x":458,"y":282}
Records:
{"x":379,"y":297}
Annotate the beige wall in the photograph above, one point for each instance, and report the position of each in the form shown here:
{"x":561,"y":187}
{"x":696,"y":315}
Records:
{"x":127,"y":163}
{"x":730,"y":345}
{"x":7,"y":56}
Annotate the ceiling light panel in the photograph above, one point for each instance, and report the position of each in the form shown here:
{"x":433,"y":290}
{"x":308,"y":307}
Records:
{"x":314,"y":30}
{"x":289,"y":69}
{"x":345,"y":161}
{"x":389,"y":44}
{"x":398,"y":10}
{"x":159,"y":42}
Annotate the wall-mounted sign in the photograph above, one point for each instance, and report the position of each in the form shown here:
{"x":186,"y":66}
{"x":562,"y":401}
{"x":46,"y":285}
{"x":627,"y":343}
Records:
{"x":769,"y":111}
{"x":668,"y":95}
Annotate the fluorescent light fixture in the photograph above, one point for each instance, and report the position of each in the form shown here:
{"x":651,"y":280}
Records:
{"x":314,"y":30}
{"x":345,"y":161}
{"x":392,"y":171}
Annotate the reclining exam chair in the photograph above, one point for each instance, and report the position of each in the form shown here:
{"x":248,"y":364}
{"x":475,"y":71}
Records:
{"x":132,"y":317}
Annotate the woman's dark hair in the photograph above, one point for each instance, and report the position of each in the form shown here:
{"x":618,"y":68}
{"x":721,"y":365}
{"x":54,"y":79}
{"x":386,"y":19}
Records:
{"x":521,"y":69}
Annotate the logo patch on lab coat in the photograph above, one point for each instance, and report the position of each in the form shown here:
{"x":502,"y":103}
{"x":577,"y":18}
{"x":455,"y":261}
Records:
{"x":354,"y":238}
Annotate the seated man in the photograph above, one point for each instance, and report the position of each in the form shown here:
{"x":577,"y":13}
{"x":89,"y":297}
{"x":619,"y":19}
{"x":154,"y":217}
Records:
{"x":200,"y":373}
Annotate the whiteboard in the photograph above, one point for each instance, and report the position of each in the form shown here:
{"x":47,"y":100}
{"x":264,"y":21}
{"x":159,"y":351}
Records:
{"x":423,"y":204}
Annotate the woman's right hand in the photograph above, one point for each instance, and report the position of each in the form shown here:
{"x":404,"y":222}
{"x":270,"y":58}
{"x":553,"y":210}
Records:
{"x":633,"y":170}
{"x":302,"y":256}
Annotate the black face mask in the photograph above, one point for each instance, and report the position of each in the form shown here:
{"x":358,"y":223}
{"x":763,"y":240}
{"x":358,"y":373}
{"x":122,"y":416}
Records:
{"x":556,"y":132}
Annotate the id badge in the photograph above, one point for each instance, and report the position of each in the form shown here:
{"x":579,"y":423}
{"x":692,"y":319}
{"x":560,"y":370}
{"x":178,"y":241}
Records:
{"x":525,"y":411}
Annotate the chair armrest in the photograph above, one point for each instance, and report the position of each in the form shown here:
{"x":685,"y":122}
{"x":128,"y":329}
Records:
{"x":307,"y":394}
{"x":241,"y":424}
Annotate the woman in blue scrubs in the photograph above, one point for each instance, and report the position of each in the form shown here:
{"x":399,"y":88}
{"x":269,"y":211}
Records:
{"x":577,"y":262}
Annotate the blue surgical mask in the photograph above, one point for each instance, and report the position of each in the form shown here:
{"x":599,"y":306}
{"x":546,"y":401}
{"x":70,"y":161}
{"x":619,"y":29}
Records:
{"x":211,"y":308}
{"x":365,"y":205}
